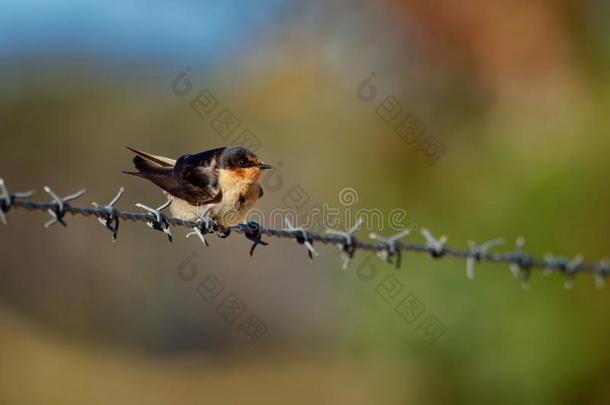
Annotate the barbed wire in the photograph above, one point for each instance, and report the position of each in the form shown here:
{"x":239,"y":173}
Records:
{"x":389,"y":248}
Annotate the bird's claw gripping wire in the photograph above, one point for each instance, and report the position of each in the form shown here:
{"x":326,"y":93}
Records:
{"x":158,"y":221}
{"x":435,"y":246}
{"x":204,"y":225}
{"x":110,"y":219}
{"x":391,"y":246}
{"x":348,"y":245}
{"x":303,"y":237}
{"x":223,"y":232}
{"x":59,"y":206}
{"x":476,"y":252}
{"x":254,"y":232}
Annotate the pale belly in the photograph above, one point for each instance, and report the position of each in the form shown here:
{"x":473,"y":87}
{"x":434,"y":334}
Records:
{"x":232,"y":210}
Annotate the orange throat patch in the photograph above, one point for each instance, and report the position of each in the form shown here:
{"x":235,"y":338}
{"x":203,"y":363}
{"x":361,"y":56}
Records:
{"x":239,"y":177}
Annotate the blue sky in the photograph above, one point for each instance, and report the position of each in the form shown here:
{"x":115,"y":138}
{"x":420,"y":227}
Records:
{"x":131,"y":30}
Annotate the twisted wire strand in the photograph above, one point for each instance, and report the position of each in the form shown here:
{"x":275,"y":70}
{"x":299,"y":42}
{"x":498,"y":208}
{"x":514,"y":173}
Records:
{"x":388,"y":248}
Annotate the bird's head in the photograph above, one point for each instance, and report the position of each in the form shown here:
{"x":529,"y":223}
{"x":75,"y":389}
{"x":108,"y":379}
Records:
{"x":242,"y":163}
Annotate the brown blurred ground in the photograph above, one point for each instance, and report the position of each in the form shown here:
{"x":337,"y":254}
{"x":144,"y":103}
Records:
{"x":69,"y":373}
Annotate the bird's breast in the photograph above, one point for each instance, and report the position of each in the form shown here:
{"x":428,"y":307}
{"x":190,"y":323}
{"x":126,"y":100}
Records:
{"x":238,"y":197}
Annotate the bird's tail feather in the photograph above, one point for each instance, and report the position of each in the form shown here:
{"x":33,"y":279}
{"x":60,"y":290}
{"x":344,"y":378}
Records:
{"x":148,"y":169}
{"x":157,"y":169}
{"x":158,"y":160}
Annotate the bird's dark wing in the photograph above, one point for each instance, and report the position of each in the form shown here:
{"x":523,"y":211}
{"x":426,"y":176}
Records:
{"x":197,"y":178}
{"x":194,"y":178}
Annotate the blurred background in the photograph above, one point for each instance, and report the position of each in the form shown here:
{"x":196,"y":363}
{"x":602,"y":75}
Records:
{"x":479,"y":119}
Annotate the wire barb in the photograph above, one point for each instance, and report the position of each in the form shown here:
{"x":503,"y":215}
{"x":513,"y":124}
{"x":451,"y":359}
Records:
{"x":392,"y":246}
{"x":111,"y":220}
{"x":303,"y":238}
{"x":6,"y":201}
{"x":551,"y":263}
{"x":58,"y":211}
{"x":521,"y":266}
{"x":600,"y":278}
{"x":254,"y":232}
{"x":158,"y":221}
{"x":570,"y":270}
{"x":203,"y":226}
{"x":348,"y":245}
{"x":435,"y":246}
{"x":477,"y":252}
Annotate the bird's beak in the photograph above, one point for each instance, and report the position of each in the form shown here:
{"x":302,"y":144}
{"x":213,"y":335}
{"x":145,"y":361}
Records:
{"x":265,"y":166}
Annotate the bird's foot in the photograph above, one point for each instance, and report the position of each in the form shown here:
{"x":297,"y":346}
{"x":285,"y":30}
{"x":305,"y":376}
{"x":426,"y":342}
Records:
{"x":223,"y":232}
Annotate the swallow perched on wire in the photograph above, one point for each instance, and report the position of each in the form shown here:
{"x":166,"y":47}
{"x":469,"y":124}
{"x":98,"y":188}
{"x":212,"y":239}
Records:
{"x":220,"y":183}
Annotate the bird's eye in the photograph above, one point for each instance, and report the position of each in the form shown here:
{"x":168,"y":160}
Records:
{"x":243,"y":162}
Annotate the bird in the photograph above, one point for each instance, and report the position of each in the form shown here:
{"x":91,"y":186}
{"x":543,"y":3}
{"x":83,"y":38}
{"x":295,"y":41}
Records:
{"x":221,"y":184}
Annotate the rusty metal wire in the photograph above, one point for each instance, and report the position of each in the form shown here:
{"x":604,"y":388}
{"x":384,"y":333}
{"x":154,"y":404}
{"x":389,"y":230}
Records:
{"x":388,"y":248}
